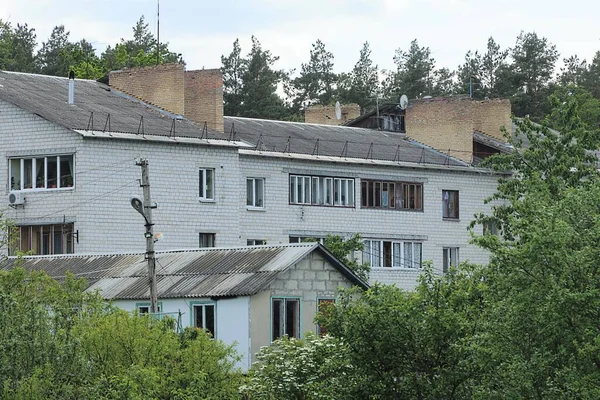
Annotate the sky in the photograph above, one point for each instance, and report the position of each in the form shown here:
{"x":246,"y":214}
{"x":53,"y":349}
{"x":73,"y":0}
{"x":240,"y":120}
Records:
{"x":203,"y":30}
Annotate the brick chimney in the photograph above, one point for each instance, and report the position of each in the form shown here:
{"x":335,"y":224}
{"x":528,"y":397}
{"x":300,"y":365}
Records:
{"x":204,"y":97}
{"x":160,"y":85}
{"x":326,"y":114}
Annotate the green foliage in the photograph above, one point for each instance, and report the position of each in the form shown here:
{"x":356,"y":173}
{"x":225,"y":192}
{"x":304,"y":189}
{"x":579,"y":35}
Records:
{"x":250,"y":83}
{"x":58,"y":342}
{"x":16,"y":47}
{"x":361,"y":86}
{"x":411,"y":344}
{"x":344,"y":249}
{"x":414,"y":73}
{"x":310,"y":368}
{"x":315,"y":85}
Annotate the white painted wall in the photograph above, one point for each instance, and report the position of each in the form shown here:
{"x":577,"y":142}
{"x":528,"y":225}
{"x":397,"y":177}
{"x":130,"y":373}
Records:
{"x":232,"y":320}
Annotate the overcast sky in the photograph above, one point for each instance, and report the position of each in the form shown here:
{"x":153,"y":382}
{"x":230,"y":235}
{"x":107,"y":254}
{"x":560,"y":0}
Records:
{"x":204,"y":30}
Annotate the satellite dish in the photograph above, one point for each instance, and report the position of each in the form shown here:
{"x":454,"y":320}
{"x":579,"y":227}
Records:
{"x":403,"y":101}
{"x":338,"y":110}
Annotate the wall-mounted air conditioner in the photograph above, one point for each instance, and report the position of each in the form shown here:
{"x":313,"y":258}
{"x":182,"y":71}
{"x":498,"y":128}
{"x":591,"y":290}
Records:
{"x":16,"y":199}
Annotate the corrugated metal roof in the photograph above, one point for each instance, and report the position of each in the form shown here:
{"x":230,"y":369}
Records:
{"x":214,"y":272}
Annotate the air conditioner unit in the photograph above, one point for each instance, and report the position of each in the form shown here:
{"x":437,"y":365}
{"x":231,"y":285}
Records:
{"x":15,"y":199}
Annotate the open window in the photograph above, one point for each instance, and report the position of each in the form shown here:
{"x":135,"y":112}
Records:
{"x":204,"y":316}
{"x":450,"y":258}
{"x":206,"y":178}
{"x":285,"y":318}
{"x":450,"y":204}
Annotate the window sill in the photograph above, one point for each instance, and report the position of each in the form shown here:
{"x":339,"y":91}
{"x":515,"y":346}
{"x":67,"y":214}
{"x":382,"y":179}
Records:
{"x":451,"y":219}
{"x":201,"y":200}
{"x":251,"y":208}
{"x":397,"y":269}
{"x":43,"y":190}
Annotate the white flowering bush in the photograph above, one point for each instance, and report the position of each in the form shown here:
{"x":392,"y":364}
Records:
{"x":310,"y":368}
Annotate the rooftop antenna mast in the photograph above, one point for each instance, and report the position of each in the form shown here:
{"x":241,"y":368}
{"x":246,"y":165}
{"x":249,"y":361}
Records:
{"x":157,"y":32}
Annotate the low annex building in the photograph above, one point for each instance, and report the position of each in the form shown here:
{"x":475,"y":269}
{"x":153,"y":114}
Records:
{"x":248,"y":296}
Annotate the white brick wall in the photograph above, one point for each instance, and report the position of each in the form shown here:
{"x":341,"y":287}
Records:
{"x":280,"y":219}
{"x":107,"y":177}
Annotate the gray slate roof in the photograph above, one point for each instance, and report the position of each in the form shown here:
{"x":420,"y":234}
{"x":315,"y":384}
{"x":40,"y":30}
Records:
{"x":212,"y":272}
{"x":46,"y":96}
{"x":336,"y":141}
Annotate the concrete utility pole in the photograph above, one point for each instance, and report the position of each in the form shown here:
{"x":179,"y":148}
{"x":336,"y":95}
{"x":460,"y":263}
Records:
{"x":146,"y":212}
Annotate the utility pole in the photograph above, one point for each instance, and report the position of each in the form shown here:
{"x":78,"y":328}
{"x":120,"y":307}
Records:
{"x":146,"y":211}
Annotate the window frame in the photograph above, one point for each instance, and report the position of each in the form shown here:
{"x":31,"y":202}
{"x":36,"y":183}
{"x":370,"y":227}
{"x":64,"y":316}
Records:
{"x":203,"y":189}
{"x":447,"y":203}
{"x":39,"y":237}
{"x":203,"y":304}
{"x":284,"y":329}
{"x":321,"y":331}
{"x":32,"y":183}
{"x":252,"y":182}
{"x":448,"y":260}
{"x":392,"y":257}
{"x":147,"y":305}
{"x":256,"y":242}
{"x":206,"y":234}
{"x":391,"y":195}
{"x":322,"y":191}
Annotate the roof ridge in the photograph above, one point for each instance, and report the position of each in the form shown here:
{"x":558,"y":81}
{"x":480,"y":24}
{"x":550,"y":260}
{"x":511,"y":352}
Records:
{"x":48,"y":76}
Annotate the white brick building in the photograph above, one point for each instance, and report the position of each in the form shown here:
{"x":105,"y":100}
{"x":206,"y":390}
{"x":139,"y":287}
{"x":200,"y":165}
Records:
{"x":70,"y":169}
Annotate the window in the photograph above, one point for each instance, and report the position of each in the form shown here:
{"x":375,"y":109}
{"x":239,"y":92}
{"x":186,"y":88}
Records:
{"x":255,"y":242}
{"x":322,"y":191}
{"x":450,"y":204}
{"x":207,"y":184}
{"x":46,"y":239}
{"x":383,"y":253}
{"x":285,"y":318}
{"x":490,"y":228}
{"x":393,"y":195}
{"x":207,"y":240}
{"x":450,"y":255}
{"x":323,"y":307}
{"x":305,"y":239}
{"x":144,"y":308}
{"x":203,"y":315}
{"x":255,"y":192}
{"x":41,"y":173}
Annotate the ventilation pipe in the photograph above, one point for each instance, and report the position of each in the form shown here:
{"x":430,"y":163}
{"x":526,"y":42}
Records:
{"x":71,"y":87}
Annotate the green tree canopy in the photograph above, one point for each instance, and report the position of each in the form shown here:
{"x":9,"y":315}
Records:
{"x":316,"y":83}
{"x":17,"y":47}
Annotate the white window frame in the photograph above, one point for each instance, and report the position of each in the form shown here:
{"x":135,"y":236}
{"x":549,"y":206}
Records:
{"x":322,"y":191}
{"x":33,"y":178}
{"x":206,"y":193}
{"x":255,"y":195}
{"x":37,"y":238}
{"x":450,"y":258}
{"x":374,"y":253}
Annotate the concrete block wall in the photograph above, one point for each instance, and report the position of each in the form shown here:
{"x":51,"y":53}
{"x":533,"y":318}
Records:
{"x":325,"y":115}
{"x":490,"y":115}
{"x":204,"y":97}
{"x":310,"y":279}
{"x":161,"y":85}
{"x":444,"y":124}
{"x":279,"y":219}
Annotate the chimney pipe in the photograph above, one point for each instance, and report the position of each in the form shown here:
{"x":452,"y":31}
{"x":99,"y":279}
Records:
{"x":71,"y":87}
